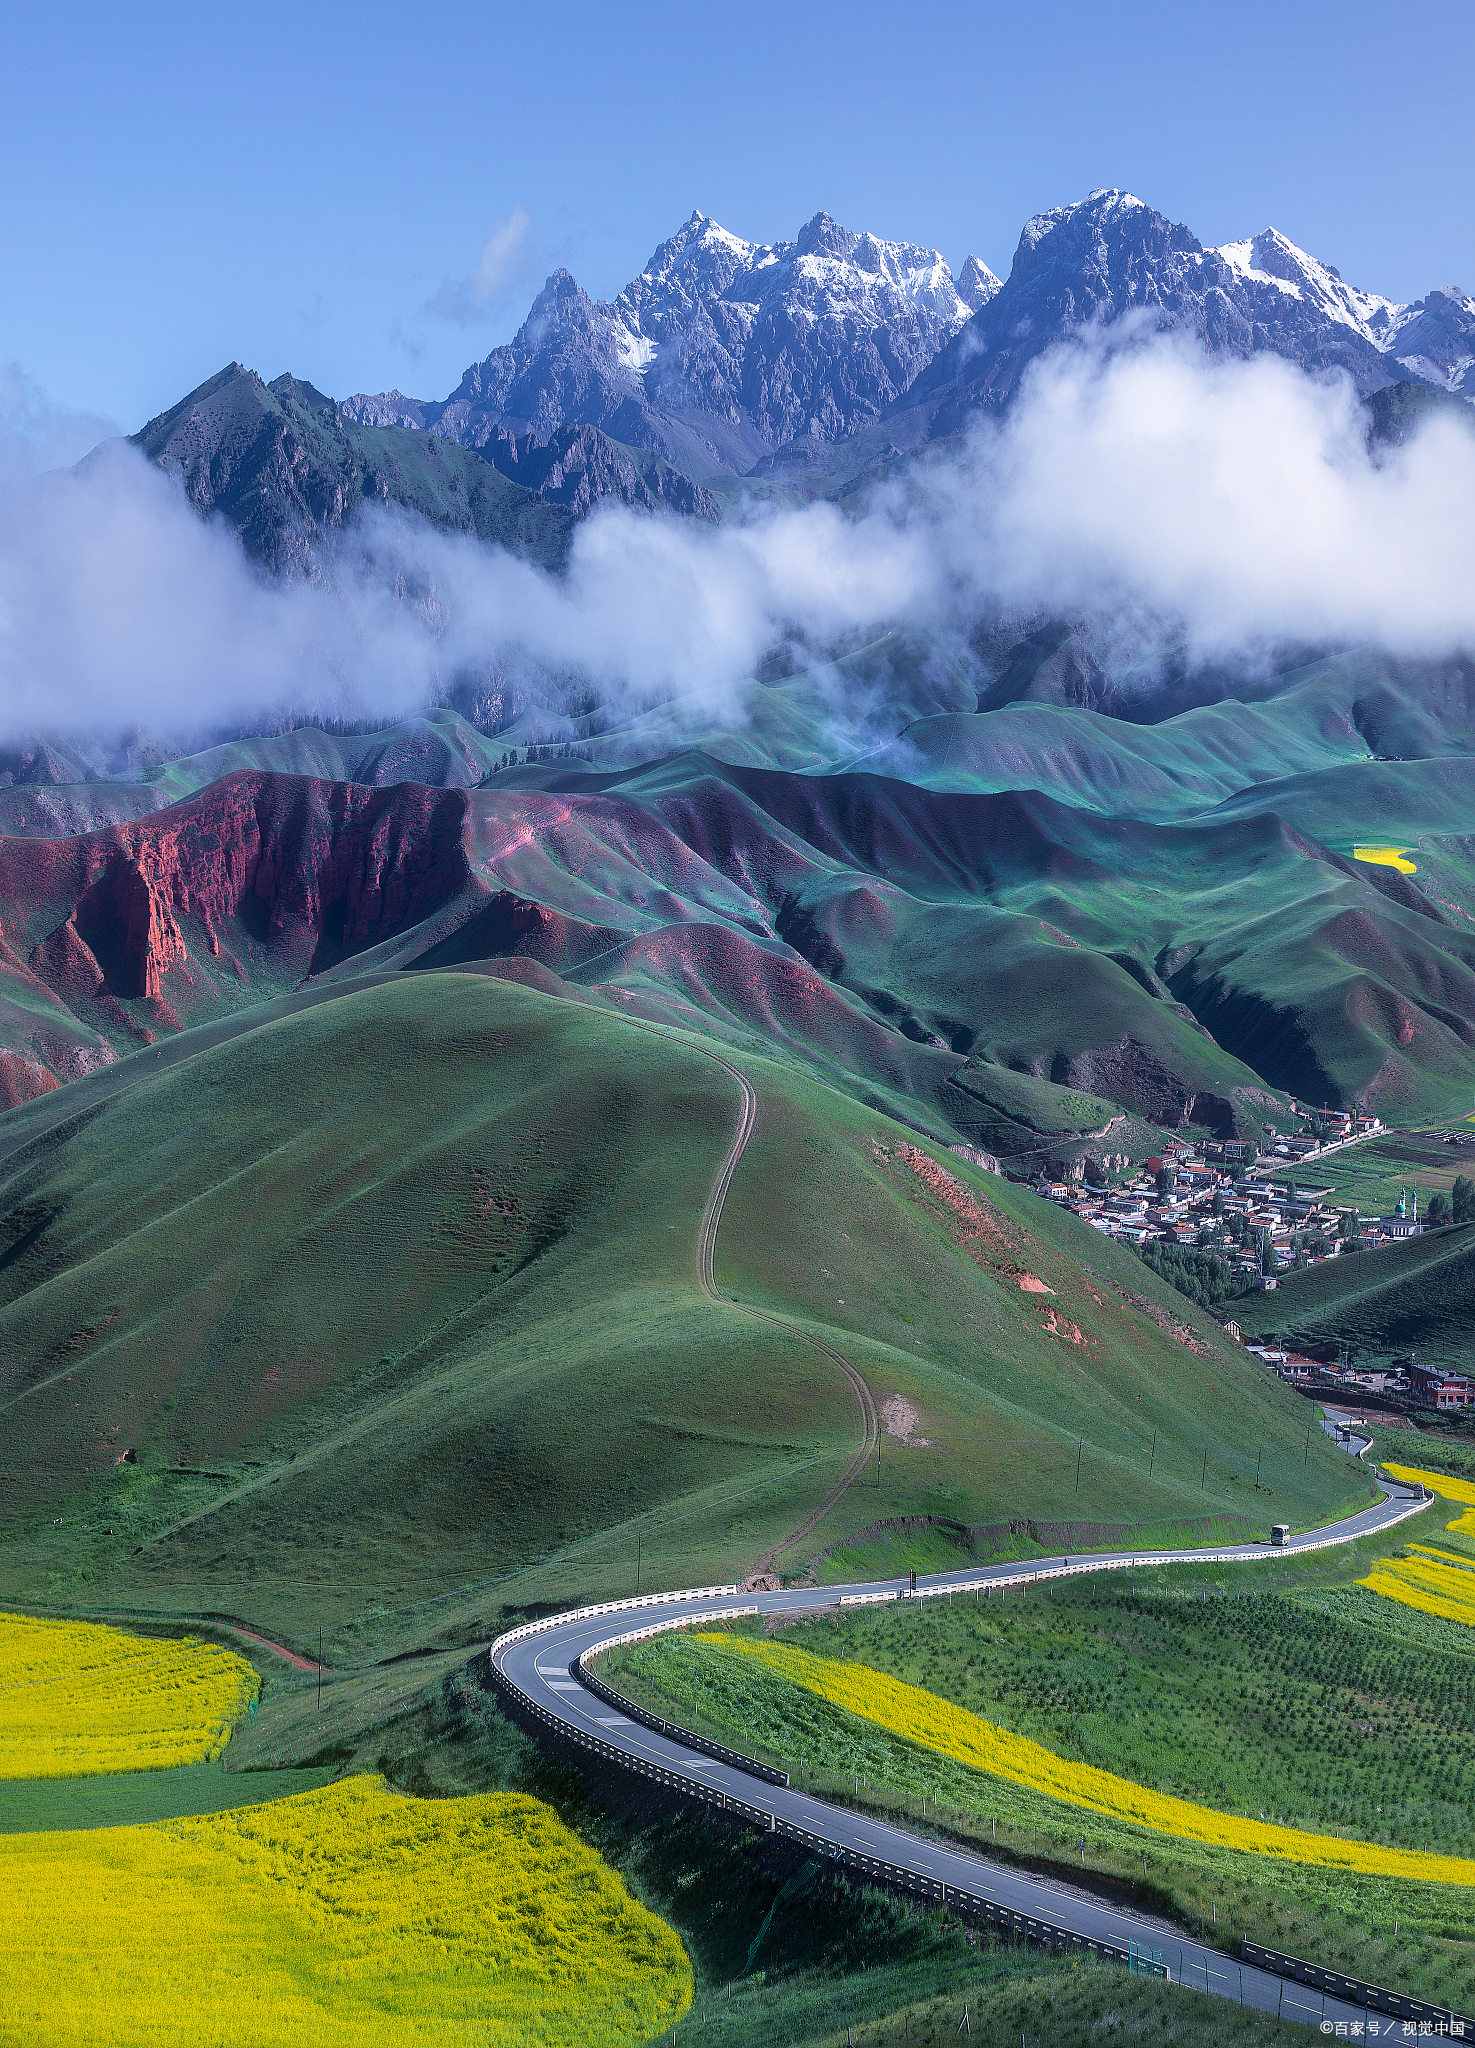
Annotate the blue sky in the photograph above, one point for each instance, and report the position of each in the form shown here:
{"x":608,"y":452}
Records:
{"x":315,"y":189}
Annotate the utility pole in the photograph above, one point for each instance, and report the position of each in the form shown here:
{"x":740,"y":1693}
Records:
{"x":1154,"y":1454}
{"x":1078,"y":1464}
{"x":1306,"y":1455}
{"x":320,"y":1667}
{"x":637,"y":1567}
{"x":1205,"y":1472}
{"x":1258,"y":1456}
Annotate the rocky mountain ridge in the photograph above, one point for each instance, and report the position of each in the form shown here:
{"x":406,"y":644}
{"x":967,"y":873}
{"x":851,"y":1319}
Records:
{"x":1111,"y":257}
{"x":720,"y":350}
{"x":288,"y":469}
{"x":734,"y":357}
{"x":806,"y":364}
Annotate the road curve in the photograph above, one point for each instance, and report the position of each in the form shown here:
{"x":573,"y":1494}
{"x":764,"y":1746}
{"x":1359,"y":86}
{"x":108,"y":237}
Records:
{"x":536,"y":1667}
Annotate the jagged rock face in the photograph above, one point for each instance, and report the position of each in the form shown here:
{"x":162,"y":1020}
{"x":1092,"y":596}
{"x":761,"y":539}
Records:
{"x":579,"y":466}
{"x":724,"y":352}
{"x":977,"y":285}
{"x":720,"y":351}
{"x":256,"y":867}
{"x":1110,"y":256}
{"x":287,"y":470}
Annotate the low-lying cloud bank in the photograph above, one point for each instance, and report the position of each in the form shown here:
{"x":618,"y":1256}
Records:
{"x":1229,"y":505}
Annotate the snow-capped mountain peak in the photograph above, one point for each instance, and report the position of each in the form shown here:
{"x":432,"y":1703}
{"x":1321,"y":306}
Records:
{"x":1432,"y":340}
{"x":721,"y":349}
{"x":724,"y":351}
{"x":1271,"y":258}
{"x":977,"y":284}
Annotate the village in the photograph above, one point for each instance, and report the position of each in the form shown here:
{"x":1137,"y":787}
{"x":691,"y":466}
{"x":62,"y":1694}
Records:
{"x":1260,"y":1212}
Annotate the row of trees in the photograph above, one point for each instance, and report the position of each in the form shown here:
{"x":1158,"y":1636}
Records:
{"x":567,"y":750}
{"x":1458,"y":1207}
{"x":1203,"y":1276}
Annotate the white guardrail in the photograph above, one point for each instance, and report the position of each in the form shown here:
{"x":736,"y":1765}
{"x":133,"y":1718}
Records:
{"x":965,"y":1901}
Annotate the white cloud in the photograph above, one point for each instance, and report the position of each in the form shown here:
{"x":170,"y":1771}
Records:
{"x":35,"y":433}
{"x":1236,"y":499}
{"x":1234,"y":505}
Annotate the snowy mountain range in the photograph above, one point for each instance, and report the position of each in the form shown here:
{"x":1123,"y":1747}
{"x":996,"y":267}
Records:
{"x":1110,"y":255}
{"x":727,"y":357}
{"x":720,"y":351}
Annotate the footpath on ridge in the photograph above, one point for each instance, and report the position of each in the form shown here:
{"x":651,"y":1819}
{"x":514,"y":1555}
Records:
{"x":538,"y":1668}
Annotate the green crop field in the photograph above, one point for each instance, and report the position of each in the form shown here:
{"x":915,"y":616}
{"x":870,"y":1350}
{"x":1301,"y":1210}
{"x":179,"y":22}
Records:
{"x":1293,"y":1694}
{"x":130,"y":1798}
{"x":1368,"y":1177}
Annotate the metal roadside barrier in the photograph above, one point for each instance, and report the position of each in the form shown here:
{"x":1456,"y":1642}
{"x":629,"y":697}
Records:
{"x":966,"y":1903}
{"x":1089,"y":1565}
{"x":547,"y":1621}
{"x":640,"y":1767}
{"x":672,"y":1729}
{"x":1374,"y":1996}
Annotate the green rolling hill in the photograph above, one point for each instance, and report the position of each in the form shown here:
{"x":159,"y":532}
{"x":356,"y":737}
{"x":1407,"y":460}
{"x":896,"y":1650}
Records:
{"x":391,"y":1294}
{"x":1416,"y":1296}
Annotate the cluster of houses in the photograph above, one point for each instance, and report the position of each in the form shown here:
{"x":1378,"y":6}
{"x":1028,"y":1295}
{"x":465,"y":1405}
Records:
{"x":1256,"y":1208}
{"x":1259,"y":1210}
{"x":1428,"y":1386}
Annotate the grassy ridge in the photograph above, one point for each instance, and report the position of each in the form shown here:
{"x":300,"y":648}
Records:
{"x":395,"y":1299}
{"x":1417,"y":1295}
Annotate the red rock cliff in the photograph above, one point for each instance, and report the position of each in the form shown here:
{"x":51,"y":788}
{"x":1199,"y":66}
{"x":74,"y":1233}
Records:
{"x":339,"y":864}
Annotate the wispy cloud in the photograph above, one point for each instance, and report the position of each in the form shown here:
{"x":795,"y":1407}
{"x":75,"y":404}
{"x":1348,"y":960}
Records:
{"x":506,"y":264}
{"x":1229,"y":506}
{"x":36,"y":433}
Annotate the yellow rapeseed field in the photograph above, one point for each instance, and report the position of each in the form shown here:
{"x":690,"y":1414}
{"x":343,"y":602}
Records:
{"x":1387,"y":857}
{"x":1433,"y":1581}
{"x":351,"y":1917}
{"x":1459,"y":1490}
{"x":77,"y":1698}
{"x":1425,"y":1582}
{"x":920,"y":1716}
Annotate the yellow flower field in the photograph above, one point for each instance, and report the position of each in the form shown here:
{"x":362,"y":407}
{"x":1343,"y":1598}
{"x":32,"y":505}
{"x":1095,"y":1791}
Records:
{"x":1459,"y":1490}
{"x":78,"y":1698}
{"x":1434,"y":1581}
{"x":351,"y":1917}
{"x":920,"y":1716}
{"x":1427,"y":1583}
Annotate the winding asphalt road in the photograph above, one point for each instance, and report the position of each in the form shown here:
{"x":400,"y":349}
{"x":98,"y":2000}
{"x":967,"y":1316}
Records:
{"x":538,"y":1665}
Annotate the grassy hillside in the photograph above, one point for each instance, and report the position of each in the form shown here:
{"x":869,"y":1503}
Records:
{"x":285,"y":468}
{"x":1415,"y":1296}
{"x":394,"y":1300}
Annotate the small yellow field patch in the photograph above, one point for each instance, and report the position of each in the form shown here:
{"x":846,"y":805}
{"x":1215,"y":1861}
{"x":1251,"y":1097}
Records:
{"x":921,"y":1717}
{"x":1459,"y":1490}
{"x":1386,"y":857}
{"x":78,"y":1698}
{"x":1433,"y":1581}
{"x":351,"y":1917}
{"x":1447,"y":1590}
